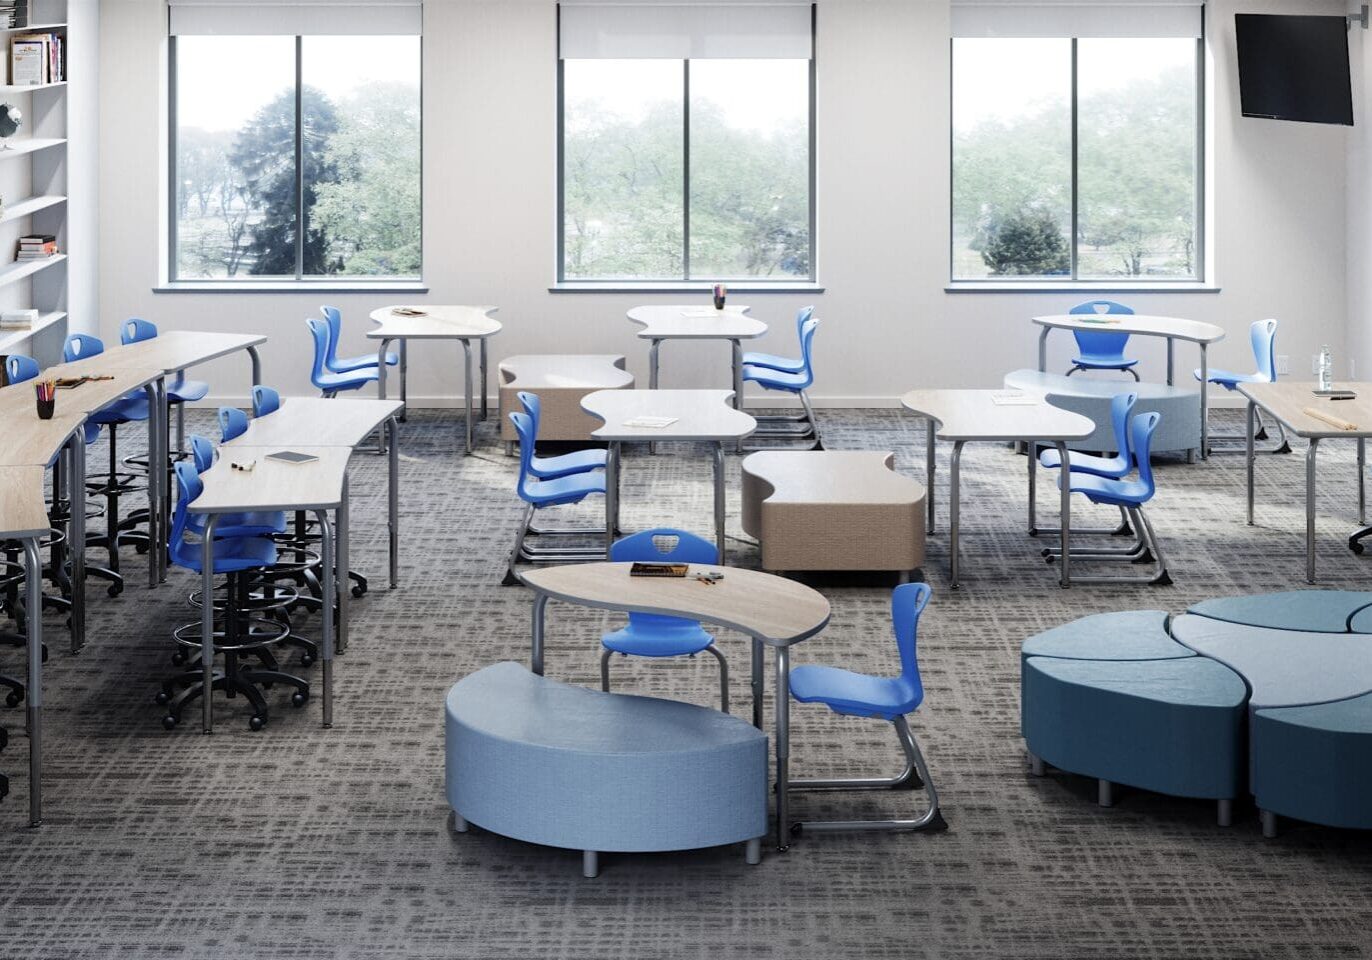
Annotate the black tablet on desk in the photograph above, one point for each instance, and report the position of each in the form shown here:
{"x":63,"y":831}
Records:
{"x":292,"y":456}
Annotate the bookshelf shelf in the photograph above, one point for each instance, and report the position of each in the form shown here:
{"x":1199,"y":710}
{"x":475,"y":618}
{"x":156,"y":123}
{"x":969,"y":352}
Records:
{"x":20,"y":148}
{"x":31,"y":87}
{"x":9,"y":339}
{"x":29,"y":206}
{"x":14,"y":272}
{"x":34,"y":28}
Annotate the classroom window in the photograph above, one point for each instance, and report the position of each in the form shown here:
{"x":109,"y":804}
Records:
{"x":1076,"y":159}
{"x":295,"y":157}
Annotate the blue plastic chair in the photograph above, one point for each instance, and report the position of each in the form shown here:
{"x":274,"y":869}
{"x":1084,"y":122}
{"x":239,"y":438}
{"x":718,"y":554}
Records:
{"x":265,"y":400}
{"x":804,"y":427}
{"x":21,"y":369}
{"x":331,"y":384}
{"x":1121,"y":406}
{"x":1129,"y":494}
{"x":652,"y":635}
{"x":257,"y":524}
{"x":1262,"y":334}
{"x":128,"y":408}
{"x":1101,"y":351}
{"x":334,"y":318}
{"x":233,"y":423}
{"x":179,"y":390}
{"x":550,"y":468}
{"x":881,"y":698}
{"x":538,"y":494}
{"x":785,"y":364}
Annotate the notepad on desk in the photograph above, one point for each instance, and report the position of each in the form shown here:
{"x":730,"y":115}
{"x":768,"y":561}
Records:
{"x":1013,"y":398}
{"x":701,"y":313}
{"x":650,"y":423}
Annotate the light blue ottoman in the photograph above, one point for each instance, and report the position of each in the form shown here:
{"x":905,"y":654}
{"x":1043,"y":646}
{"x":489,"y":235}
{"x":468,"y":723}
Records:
{"x":1314,"y":763}
{"x":1313,"y":611}
{"x":565,"y":766}
{"x":1127,"y":635}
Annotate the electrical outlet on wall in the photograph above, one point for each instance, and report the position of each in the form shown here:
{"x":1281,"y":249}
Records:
{"x":1283,"y":364}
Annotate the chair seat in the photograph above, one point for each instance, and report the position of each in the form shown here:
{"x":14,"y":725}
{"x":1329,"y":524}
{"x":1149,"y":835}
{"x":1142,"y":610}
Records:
{"x":1230,"y":380}
{"x":563,"y":490}
{"x":1098,"y":361}
{"x":772,"y":362}
{"x":235,"y":525}
{"x":855,"y":694}
{"x":1113,"y":467}
{"x":580,"y":461}
{"x":124,"y":410}
{"x":230,"y":556}
{"x":349,"y":364}
{"x":347,"y":381}
{"x":662,"y":637}
{"x":1117,"y":493}
{"x":187,"y":391}
{"x":775,"y":379}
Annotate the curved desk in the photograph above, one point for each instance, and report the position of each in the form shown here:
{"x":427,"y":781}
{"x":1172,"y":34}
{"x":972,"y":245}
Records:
{"x":972,"y":416}
{"x":1170,"y":328}
{"x":439,"y":322}
{"x":687,"y":322}
{"x":773,"y":611}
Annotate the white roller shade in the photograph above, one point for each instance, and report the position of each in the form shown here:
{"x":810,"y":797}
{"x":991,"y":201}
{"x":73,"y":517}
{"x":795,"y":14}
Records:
{"x":1078,"y":18}
{"x":678,"y":31}
{"x":296,"y":17}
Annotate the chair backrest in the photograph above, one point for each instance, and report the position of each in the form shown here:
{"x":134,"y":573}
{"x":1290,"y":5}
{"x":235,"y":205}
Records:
{"x":532,"y":406}
{"x":1263,"y":334}
{"x":907,"y":602}
{"x":807,"y":339}
{"x":334,"y":318}
{"x":662,"y":545}
{"x":528,"y":436}
{"x":232,"y":423}
{"x":135,"y":330}
{"x":1141,"y":437}
{"x":202,"y":451}
{"x":1121,"y":406}
{"x":80,"y":345}
{"x":265,"y":400}
{"x":188,"y":487}
{"x":319,"y":330}
{"x":1090,"y":341}
{"x":19,"y":368}
{"x":802,"y":315}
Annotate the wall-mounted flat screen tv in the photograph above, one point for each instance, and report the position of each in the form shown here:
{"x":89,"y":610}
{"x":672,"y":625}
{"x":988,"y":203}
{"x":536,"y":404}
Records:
{"x":1294,"y":68}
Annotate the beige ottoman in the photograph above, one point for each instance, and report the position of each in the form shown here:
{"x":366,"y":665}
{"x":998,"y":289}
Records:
{"x":833,"y":510}
{"x":560,"y":382}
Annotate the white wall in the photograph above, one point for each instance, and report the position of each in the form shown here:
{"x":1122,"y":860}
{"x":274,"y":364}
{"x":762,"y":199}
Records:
{"x":489,"y":90}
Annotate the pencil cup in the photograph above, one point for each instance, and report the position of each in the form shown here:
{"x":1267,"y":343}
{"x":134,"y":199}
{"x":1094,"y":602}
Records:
{"x":45,"y":407}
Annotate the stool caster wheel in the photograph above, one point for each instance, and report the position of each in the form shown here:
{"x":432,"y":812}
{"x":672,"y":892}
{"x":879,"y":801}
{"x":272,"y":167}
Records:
{"x":15,"y":698}
{"x":115,"y":589}
{"x":796,"y":828}
{"x":1050,"y":559}
{"x":168,"y":722}
{"x":359,"y":592}
{"x":140,"y":548}
{"x":4,"y":738}
{"x":178,"y":659}
{"x":1356,"y":548}
{"x":306,"y":660}
{"x":162,"y":698}
{"x":256,"y":723}
{"x":300,"y":698}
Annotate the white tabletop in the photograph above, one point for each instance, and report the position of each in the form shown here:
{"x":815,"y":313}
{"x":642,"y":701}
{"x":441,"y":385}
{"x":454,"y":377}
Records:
{"x":178,"y":349}
{"x":272,"y":484}
{"x":971,"y":415}
{"x":440,"y":322}
{"x":696,"y":322}
{"x":778,"y":610}
{"x":341,"y":422}
{"x":700,"y":415}
{"x":1135,"y":324}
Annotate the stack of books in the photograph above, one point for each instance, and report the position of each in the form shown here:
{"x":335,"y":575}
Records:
{"x":37,"y":247}
{"x":14,"y":13}
{"x":18,"y":319}
{"x":37,"y":58}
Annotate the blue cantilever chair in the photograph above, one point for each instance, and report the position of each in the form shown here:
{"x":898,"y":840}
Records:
{"x":785,"y":364}
{"x":651,"y":635}
{"x":880,"y":698}
{"x":538,"y":494}
{"x":1130,"y":495}
{"x":334,"y":318}
{"x":1262,"y":334}
{"x":804,"y":427}
{"x":550,"y":468}
{"x":330,"y":384}
{"x":1101,"y":351}
{"x":1121,"y":407}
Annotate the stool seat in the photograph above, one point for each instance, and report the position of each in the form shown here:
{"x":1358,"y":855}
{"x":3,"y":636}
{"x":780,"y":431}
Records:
{"x":239,"y":524}
{"x":229,"y":556}
{"x":124,"y":410}
{"x":187,"y":391}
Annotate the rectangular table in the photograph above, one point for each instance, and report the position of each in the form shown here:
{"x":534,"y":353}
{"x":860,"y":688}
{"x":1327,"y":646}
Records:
{"x":1285,"y":401}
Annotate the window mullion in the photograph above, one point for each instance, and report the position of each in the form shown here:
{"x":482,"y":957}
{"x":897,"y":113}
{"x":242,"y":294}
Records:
{"x":686,"y":170}
{"x":1072,"y":247}
{"x":299,"y":160}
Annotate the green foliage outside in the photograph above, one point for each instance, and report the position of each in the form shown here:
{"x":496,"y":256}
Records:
{"x":1027,"y":243}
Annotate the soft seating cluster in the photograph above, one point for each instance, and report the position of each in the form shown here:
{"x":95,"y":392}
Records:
{"x":1272,"y":692}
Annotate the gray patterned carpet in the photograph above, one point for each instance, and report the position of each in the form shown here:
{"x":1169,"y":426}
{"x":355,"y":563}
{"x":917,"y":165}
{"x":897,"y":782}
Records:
{"x":304,"y":843}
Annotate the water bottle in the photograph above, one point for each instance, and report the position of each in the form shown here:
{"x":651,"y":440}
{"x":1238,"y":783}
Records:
{"x":1326,"y":368}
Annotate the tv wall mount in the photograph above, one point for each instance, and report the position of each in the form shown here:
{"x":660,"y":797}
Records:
{"x":1360,"y":18}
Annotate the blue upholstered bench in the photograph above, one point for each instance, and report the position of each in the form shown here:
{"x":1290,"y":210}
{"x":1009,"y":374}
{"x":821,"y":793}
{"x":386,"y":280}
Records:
{"x":1314,"y":611}
{"x":1314,"y":763}
{"x":565,"y":766}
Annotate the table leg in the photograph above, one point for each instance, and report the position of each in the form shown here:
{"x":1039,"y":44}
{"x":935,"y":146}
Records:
{"x":157,"y":473}
{"x":954,"y":509}
{"x":783,"y":712}
{"x":168,"y":483}
{"x":207,"y":620}
{"x":467,"y":373}
{"x":1205,"y":405}
{"x":484,"y":400}
{"x":256,"y":366}
{"x":611,"y":494}
{"x":1171,"y":366}
{"x":381,"y":368}
{"x":393,"y":506}
{"x":653,"y":348}
{"x":536,"y":653}
{"x":1043,"y":349}
{"x":737,"y":347}
{"x":929,"y":471}
{"x":1310,"y":509}
{"x":76,"y":534}
{"x":758,"y":689}
{"x":404,"y":376}
{"x":327,"y":590}
{"x":1362,"y":482}
{"x":719,"y":500}
{"x":341,"y":578}
{"x":1252,"y":413}
{"x":34,"y":695}
{"x":1066,"y":519}
{"x":1033,"y":487}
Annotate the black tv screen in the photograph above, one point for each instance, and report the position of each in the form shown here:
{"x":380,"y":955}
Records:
{"x":1294,"y":68}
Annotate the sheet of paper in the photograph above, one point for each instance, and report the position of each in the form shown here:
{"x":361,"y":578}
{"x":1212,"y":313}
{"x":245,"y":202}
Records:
{"x":650,"y":423}
{"x":1013,"y":398}
{"x":700,"y":313}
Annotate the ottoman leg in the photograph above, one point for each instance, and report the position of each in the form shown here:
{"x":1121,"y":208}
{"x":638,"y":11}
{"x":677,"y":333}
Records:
{"x":754,"y":852}
{"x":1269,"y":823}
{"x":1105,"y":793}
{"x":1035,"y":765}
{"x":1225,"y":813}
{"x":590,"y":864}
{"x":459,"y":825}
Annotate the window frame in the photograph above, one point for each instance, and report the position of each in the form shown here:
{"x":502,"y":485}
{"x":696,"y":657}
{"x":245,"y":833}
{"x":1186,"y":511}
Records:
{"x":173,"y":282}
{"x":1200,"y":279}
{"x":647,"y":284}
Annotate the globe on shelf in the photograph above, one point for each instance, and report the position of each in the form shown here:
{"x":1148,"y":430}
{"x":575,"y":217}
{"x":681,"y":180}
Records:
{"x":10,"y":120}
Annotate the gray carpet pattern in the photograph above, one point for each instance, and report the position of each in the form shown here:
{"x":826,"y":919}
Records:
{"x":297,"y":842}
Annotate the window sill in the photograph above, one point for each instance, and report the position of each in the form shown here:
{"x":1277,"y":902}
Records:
{"x":1078,"y":286}
{"x":667,"y":286}
{"x":294,"y":286}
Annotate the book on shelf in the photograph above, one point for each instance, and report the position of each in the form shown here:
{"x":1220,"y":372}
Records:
{"x":37,"y":58}
{"x":18,"y":319}
{"x":14,"y":13}
{"x":36,"y":247}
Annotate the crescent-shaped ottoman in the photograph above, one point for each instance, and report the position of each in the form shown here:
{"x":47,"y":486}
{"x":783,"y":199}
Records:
{"x":564,"y":766}
{"x":560,"y":380}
